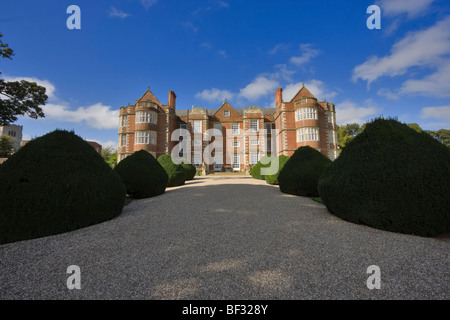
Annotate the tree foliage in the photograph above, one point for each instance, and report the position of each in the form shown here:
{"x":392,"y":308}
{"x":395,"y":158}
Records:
{"x":6,"y":146}
{"x":442,"y":135}
{"x":415,"y":127}
{"x":347,"y":133}
{"x":23,"y":98}
{"x":109,"y":154}
{"x":5,"y":51}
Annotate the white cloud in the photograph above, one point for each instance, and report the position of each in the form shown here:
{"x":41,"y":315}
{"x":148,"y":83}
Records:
{"x":223,"y":53}
{"x":258,"y":88}
{"x":278,"y":47}
{"x":214,"y":95}
{"x":115,"y":13}
{"x":50,"y":88}
{"x":307,"y":54}
{"x":97,"y":115}
{"x":350,"y":112}
{"x":205,"y":45}
{"x":316,"y":87}
{"x":283,"y":72}
{"x":440,"y":114}
{"x":398,"y":7}
{"x":190,"y":25}
{"x":223,"y":4}
{"x":387,"y":93}
{"x":148,"y":3}
{"x":436,"y":84}
{"x":425,"y":48}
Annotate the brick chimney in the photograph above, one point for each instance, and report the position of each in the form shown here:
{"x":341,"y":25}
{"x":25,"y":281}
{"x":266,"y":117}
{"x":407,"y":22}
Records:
{"x":172,"y":98}
{"x":279,"y":97}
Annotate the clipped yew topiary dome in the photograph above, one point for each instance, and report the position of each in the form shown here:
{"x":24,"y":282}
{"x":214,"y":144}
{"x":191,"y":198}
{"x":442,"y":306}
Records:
{"x":142,"y":175}
{"x":300,"y":175}
{"x":189,"y":171}
{"x":175,"y":172}
{"x":273,"y":178}
{"x":255,"y":172}
{"x":392,"y":178}
{"x":56,"y":183}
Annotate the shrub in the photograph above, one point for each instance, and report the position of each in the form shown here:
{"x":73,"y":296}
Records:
{"x":189,"y":170}
{"x":392,"y":178}
{"x":174,"y":171}
{"x":300,"y":175}
{"x":54,"y":184}
{"x":142,"y":175}
{"x":255,"y":172}
{"x":273,"y":178}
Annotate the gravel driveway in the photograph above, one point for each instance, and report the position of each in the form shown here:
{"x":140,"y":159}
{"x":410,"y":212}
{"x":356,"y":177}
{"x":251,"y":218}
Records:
{"x":226,"y":237}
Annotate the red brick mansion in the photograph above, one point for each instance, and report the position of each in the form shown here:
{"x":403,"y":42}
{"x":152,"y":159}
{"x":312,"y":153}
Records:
{"x":246,"y":134}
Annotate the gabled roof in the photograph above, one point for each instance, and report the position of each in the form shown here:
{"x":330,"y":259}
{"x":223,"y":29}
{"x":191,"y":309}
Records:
{"x":303,"y":92}
{"x":211,"y":112}
{"x":148,"y":95}
{"x":224,"y":105}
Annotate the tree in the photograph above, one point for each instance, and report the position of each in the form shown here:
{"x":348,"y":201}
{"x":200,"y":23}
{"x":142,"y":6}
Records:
{"x":442,"y":135}
{"x":22,"y":97}
{"x":347,"y":133}
{"x":6,"y":147}
{"x":414,"y":126}
{"x":109,"y":154}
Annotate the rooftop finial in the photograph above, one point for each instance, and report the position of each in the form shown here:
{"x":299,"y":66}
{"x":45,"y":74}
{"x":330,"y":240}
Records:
{"x":303,"y":84}
{"x":148,"y":88}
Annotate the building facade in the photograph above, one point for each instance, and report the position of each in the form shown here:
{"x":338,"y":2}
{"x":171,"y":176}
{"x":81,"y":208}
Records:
{"x":15,"y":133}
{"x":241,"y":136}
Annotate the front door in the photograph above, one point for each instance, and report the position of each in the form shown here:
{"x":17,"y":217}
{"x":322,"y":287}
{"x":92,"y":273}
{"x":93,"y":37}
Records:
{"x":236,"y":162}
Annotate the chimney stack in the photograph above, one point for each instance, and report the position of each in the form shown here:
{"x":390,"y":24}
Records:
{"x":279,"y":97}
{"x":172,"y":98}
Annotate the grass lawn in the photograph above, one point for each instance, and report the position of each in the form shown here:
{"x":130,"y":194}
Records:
{"x":318,"y":199}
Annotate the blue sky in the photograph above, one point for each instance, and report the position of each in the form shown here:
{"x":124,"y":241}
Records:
{"x":242,"y":50}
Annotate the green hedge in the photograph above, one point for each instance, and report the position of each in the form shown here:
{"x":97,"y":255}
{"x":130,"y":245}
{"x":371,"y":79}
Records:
{"x":54,"y":184}
{"x":189,"y":169}
{"x":300,"y":175}
{"x":273,"y":178}
{"x":142,"y":175}
{"x":175,"y":172}
{"x":392,"y":178}
{"x":255,"y":172}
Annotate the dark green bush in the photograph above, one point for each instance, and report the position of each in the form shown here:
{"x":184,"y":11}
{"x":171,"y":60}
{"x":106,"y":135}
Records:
{"x":54,"y":184}
{"x":273,"y":178}
{"x":189,"y":170}
{"x":142,"y":175}
{"x":175,"y":172}
{"x":300,"y":175}
{"x":255,"y":172}
{"x":392,"y":178}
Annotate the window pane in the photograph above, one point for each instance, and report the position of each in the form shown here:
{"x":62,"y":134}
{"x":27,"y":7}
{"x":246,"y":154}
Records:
{"x":197,"y":126}
{"x":254,"y":125}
